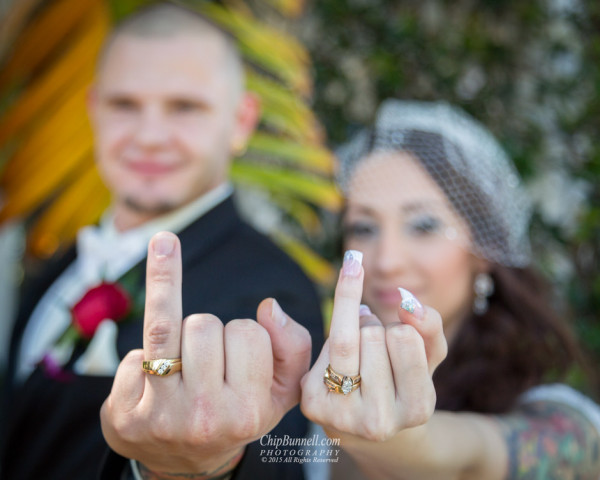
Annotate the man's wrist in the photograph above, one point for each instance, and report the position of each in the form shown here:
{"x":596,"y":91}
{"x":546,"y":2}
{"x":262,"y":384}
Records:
{"x":222,"y":472}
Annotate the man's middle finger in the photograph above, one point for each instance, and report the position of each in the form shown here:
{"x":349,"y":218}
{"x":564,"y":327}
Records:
{"x":163,"y":313}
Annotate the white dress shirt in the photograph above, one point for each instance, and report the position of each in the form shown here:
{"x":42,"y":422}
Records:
{"x":103,"y":254}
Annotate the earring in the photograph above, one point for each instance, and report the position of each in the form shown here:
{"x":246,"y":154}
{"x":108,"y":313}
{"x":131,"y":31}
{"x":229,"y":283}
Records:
{"x":239,"y":149}
{"x":483,"y":286}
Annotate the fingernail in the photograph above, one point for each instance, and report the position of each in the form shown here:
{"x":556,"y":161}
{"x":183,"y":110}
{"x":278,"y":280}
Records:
{"x":410,"y":303}
{"x":364,"y":310}
{"x":277,"y":314}
{"x":163,"y":244}
{"x":352,"y":263}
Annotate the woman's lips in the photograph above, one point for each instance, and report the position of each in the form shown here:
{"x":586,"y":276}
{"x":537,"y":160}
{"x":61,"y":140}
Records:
{"x":389,"y":297}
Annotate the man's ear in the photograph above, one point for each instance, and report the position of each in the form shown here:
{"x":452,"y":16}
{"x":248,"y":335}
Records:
{"x":247,"y":118}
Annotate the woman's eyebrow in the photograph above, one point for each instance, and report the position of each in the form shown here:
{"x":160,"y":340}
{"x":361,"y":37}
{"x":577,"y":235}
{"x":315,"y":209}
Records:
{"x":420,"y":205}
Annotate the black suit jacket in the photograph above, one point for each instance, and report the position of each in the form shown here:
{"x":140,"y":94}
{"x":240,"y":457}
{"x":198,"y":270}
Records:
{"x":52,"y":427}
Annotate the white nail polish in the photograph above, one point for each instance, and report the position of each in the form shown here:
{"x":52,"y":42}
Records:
{"x":364,"y":310}
{"x":409,"y":302}
{"x":352,"y":263}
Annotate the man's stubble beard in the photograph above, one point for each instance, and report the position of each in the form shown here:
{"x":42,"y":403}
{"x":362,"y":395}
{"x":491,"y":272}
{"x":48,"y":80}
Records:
{"x":138,"y":207}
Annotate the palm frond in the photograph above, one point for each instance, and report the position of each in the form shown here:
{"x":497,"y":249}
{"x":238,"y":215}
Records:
{"x":46,"y":138}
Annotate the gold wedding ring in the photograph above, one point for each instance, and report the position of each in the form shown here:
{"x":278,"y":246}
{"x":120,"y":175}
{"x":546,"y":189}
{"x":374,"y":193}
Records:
{"x":162,"y":367}
{"x":338,"y":383}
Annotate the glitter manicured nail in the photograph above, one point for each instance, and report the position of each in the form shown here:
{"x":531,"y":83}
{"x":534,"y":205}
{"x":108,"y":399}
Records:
{"x":410,"y":303}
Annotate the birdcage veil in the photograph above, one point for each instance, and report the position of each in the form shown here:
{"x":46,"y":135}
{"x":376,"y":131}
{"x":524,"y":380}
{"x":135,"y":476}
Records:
{"x":466,"y":162}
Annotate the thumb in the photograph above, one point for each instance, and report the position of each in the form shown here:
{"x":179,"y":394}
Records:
{"x":291,"y":345}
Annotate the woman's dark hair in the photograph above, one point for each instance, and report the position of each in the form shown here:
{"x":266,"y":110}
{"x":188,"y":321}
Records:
{"x":518,"y":343}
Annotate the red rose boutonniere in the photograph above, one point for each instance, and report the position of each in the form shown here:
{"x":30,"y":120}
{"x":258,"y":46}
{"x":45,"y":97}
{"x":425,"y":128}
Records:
{"x":107,"y":301}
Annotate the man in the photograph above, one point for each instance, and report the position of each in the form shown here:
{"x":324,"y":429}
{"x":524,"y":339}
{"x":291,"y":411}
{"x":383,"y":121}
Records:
{"x":168,"y":111}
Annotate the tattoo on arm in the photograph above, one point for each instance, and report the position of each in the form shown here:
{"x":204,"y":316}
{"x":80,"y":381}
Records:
{"x":548,"y":440}
{"x":222,"y":472}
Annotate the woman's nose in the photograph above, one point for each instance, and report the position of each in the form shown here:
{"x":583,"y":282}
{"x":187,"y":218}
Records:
{"x":392,"y":254}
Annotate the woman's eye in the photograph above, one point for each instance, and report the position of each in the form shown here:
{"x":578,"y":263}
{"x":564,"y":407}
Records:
{"x":425,"y":225}
{"x":359,"y":230}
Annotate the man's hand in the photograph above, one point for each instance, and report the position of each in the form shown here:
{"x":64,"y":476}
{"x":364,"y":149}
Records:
{"x":237,"y":381}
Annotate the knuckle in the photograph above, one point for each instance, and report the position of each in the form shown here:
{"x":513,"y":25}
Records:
{"x":125,"y":429}
{"x":158,"y":331}
{"x":343,"y":423}
{"x":203,"y":425}
{"x":403,"y":334}
{"x":160,"y":429}
{"x":419,"y":412}
{"x":373,"y":334}
{"x":312,"y":407}
{"x":379,"y":426}
{"x":344,"y":344}
{"x":161,"y":273}
{"x":248,"y":329}
{"x":202,"y":322}
{"x":378,"y":433}
{"x":134,"y":356}
{"x":434,"y":317}
{"x":241,"y":325}
{"x":250,"y":421}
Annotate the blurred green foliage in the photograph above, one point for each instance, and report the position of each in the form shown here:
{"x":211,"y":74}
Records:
{"x":530,"y":71}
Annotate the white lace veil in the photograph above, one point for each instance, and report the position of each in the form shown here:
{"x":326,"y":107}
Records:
{"x":467,"y":163}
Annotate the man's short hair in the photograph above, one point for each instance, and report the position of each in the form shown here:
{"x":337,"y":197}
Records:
{"x":163,"y":20}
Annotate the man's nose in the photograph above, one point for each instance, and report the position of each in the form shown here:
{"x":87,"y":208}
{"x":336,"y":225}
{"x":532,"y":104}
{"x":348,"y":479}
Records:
{"x":152,"y":129}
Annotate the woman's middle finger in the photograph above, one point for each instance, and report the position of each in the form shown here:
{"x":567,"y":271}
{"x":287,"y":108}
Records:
{"x":344,"y":334}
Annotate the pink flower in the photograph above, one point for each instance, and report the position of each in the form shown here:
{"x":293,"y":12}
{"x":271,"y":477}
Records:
{"x":106,"y":301}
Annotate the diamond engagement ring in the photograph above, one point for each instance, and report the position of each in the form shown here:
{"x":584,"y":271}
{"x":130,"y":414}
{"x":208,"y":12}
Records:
{"x":162,"y":366}
{"x":338,"y":383}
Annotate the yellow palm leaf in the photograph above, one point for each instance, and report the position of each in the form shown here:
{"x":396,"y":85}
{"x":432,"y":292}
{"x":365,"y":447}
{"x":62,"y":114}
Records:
{"x":314,"y":266}
{"x":312,"y":157}
{"x":301,"y":212}
{"x":51,"y":170}
{"x":66,"y":126}
{"x":267,"y":47}
{"x":73,"y":69}
{"x":55,"y":130}
{"x":43,"y":35}
{"x":283,"y":111}
{"x":289,"y":8}
{"x":311,"y":188}
{"x":25,"y":196}
{"x":80,"y":204}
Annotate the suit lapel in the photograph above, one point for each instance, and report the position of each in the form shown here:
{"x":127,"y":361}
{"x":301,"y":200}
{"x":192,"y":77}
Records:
{"x":33,"y":289}
{"x":209,"y":231}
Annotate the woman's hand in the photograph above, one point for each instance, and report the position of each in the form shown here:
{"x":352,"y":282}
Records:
{"x":395,"y":363}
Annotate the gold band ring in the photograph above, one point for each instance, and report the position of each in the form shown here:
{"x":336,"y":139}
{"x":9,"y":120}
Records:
{"x":162,"y":366}
{"x":337,"y":383}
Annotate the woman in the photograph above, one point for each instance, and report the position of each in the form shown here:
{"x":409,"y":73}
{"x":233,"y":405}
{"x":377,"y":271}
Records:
{"x":435,"y":206}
